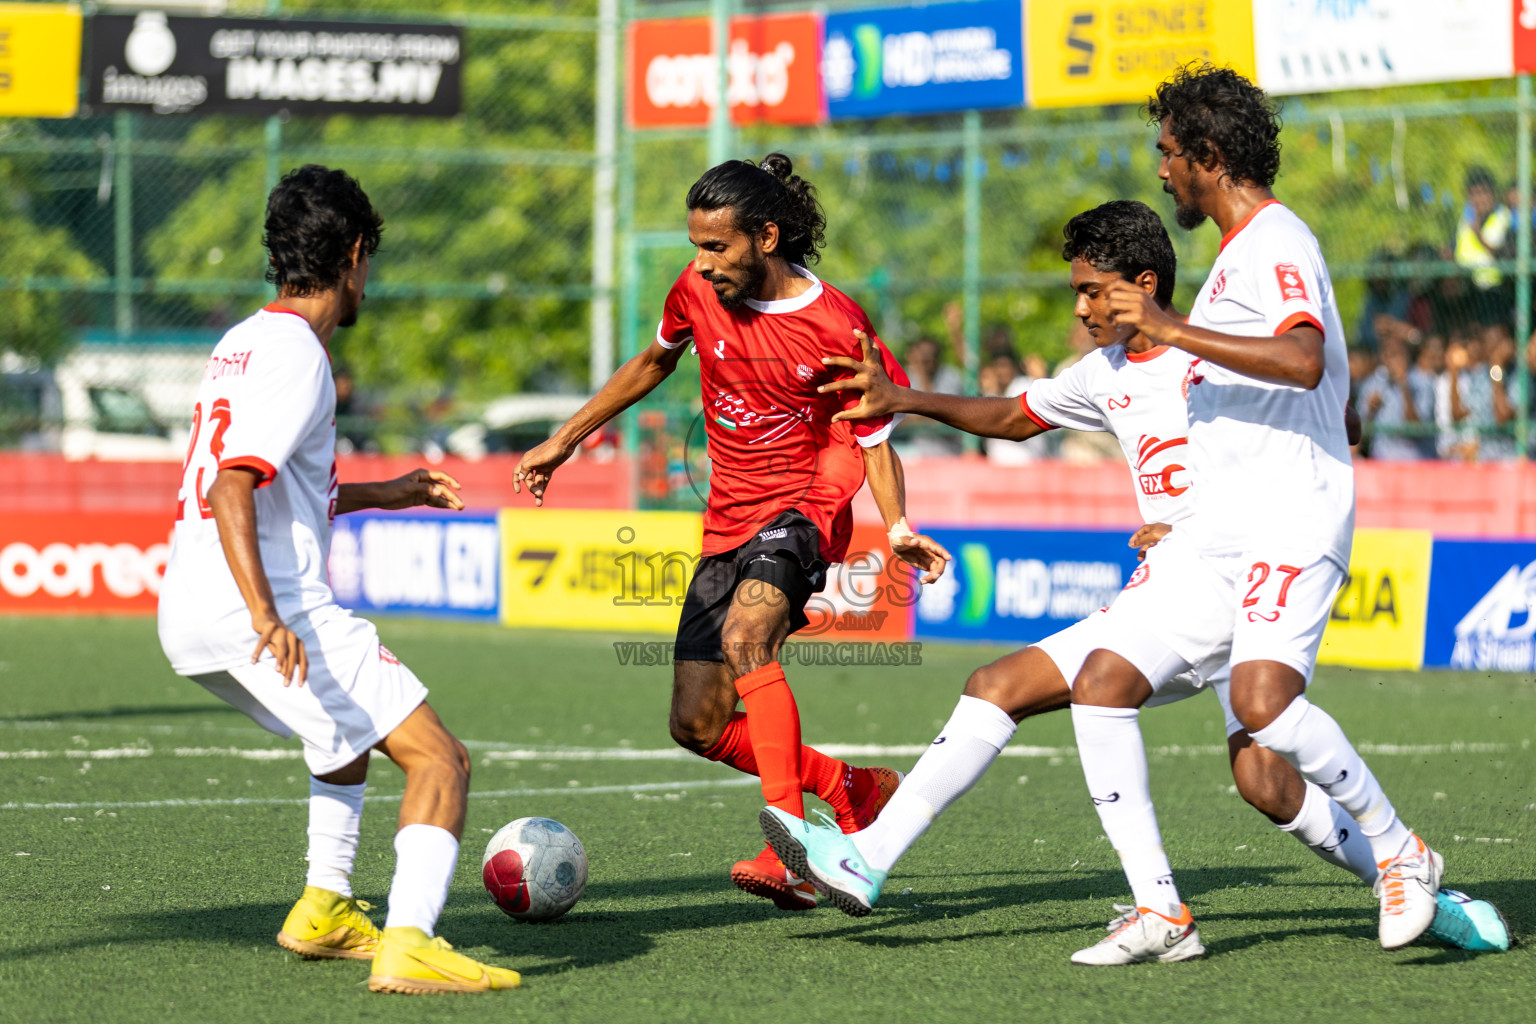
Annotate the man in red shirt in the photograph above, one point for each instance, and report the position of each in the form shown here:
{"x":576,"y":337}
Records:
{"x":782,"y":478}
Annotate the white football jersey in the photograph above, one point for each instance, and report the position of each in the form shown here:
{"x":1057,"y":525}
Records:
{"x":1270,"y":461}
{"x":1139,"y":398}
{"x":267,"y":403}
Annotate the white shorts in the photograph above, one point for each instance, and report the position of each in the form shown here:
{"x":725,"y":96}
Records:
{"x":1070,"y":647}
{"x":1182,"y":609}
{"x":356,"y":694}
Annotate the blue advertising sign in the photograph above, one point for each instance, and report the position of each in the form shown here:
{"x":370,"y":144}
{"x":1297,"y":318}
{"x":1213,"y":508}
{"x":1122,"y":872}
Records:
{"x":1482,"y":605}
{"x":924,"y":60}
{"x":1019,"y":586}
{"x":422,"y":563}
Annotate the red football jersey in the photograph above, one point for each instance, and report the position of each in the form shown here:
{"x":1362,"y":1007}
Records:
{"x":772,"y":443}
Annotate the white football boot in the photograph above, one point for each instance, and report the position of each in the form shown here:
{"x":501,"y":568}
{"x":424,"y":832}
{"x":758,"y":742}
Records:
{"x":1139,"y":934}
{"x":1408,"y":886}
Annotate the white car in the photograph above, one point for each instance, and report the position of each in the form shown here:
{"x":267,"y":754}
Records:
{"x":514,"y":423}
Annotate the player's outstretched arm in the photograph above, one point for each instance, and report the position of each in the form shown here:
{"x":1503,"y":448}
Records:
{"x":633,"y":381}
{"x":1293,"y":357}
{"x":888,"y":485}
{"x":881,"y":396}
{"x":233,"y":499}
{"x":418,"y":487}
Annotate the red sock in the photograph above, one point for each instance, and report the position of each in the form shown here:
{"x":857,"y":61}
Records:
{"x":828,"y":778}
{"x":835,"y":781}
{"x":735,"y":746}
{"x":773,"y":723}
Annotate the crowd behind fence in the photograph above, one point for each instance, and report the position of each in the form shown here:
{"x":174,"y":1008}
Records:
{"x":133,"y":241}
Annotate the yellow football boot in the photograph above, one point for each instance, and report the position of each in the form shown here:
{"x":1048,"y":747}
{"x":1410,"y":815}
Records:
{"x":412,"y":962}
{"x":326,"y":925}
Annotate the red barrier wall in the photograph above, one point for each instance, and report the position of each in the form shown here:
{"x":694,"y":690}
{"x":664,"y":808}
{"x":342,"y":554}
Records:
{"x":35,"y":483}
{"x":1453,"y":499}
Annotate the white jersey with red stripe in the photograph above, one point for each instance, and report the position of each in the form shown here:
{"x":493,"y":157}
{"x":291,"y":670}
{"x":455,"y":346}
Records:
{"x":1139,"y":398}
{"x":267,"y":403}
{"x":1270,"y":461}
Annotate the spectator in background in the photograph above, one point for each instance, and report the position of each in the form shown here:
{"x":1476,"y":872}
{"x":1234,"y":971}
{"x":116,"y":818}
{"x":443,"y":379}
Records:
{"x":1386,"y":304}
{"x":1481,"y":239}
{"x":352,"y":434}
{"x":919,"y":436}
{"x":1394,"y":400}
{"x":1471,"y":403}
{"x":1001,"y":376}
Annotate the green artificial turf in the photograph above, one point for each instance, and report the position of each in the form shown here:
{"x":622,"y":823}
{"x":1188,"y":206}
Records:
{"x":111,"y":912}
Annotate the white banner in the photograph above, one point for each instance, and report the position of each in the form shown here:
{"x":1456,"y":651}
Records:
{"x":1323,"y":45}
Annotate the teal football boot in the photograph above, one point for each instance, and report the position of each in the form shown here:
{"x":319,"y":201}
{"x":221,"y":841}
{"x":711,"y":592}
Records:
{"x":1466,"y":923}
{"x":824,"y":855}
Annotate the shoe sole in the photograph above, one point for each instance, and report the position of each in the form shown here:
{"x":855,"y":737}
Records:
{"x":422,"y":986}
{"x":315,"y":951}
{"x":781,"y":895}
{"x":792,"y":854}
{"x":1173,"y":956}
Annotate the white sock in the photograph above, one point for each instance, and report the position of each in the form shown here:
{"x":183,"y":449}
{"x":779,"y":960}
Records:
{"x":425,"y":857}
{"x":1309,"y":738}
{"x":1327,"y":830}
{"x":1115,"y":766}
{"x":335,"y":818}
{"x":969,"y":743}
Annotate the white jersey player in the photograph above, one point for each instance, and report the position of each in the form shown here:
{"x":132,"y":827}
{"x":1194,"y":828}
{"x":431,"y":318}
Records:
{"x":246,"y":609}
{"x":1249,"y":579}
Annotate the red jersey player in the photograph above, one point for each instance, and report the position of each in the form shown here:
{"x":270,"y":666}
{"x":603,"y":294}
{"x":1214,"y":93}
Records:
{"x":783,"y":475}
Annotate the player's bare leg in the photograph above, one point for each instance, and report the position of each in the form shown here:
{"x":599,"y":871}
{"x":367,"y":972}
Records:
{"x":1106,"y":702}
{"x":328,"y":922}
{"x":1269,"y":698}
{"x":410,"y":959}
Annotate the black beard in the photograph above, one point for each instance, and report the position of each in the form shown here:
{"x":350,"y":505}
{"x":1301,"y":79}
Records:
{"x":756,"y":270}
{"x":1187,"y":215}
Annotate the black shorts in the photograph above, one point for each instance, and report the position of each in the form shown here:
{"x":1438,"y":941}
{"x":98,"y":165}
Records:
{"x":785,"y":554}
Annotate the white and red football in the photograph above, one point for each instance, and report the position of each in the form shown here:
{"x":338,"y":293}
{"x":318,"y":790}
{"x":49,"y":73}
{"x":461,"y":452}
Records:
{"x":535,"y":869}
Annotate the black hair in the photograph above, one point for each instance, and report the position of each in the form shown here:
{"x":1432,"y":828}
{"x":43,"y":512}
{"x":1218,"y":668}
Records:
{"x":1479,"y":175}
{"x":1124,"y":237}
{"x":314,"y":216}
{"x":766,"y":193}
{"x":1216,"y":109}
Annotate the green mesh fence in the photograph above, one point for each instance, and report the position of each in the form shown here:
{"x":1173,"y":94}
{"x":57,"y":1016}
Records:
{"x":133,"y":241}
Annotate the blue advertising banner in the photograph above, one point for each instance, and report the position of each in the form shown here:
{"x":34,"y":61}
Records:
{"x":924,"y":60}
{"x":1482,"y":605}
{"x":1019,"y":586}
{"x":422,"y":563}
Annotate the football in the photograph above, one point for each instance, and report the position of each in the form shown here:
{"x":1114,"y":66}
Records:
{"x":535,"y":869}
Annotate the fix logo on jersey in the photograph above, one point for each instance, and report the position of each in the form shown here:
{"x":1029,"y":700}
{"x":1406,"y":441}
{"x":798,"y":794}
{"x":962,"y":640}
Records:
{"x":1141,"y":575}
{"x":1191,"y":378}
{"x":1220,"y":285}
{"x":1292,"y":287}
{"x":1159,"y":482}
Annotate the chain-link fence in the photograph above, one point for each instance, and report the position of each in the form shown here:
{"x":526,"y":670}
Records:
{"x":132,"y":241}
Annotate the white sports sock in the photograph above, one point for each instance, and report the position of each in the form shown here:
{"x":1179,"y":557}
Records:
{"x":1328,"y":831}
{"x":1115,"y":766}
{"x":967,"y":746}
{"x":425,"y":857}
{"x":1308,"y":737}
{"x":335,"y":818}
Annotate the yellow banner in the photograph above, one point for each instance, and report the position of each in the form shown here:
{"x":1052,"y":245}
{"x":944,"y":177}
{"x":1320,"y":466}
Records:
{"x":1378,"y":617}
{"x":1098,"y":51}
{"x":621,"y":571}
{"x":39,"y":60}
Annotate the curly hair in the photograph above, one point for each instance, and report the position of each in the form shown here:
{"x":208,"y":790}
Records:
{"x":314,"y":216}
{"x":766,"y":193}
{"x":1216,"y":113}
{"x":1123,"y":237}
